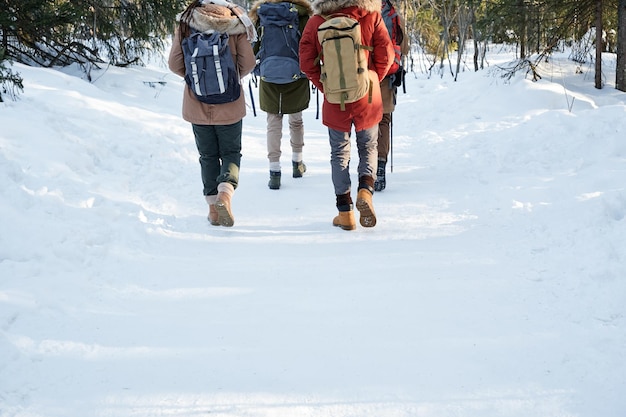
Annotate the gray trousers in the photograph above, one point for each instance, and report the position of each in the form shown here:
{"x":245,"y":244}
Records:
{"x":275,"y":134}
{"x":340,"y":149}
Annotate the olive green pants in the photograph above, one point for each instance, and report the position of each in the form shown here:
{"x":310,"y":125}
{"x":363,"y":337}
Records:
{"x":220,"y":154}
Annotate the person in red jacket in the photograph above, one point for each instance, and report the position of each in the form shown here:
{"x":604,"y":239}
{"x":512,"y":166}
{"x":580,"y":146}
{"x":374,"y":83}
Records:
{"x":363,"y":114}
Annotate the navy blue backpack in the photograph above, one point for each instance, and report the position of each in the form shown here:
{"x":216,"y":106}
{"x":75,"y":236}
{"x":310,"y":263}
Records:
{"x":209,"y":67}
{"x":280,"y":39}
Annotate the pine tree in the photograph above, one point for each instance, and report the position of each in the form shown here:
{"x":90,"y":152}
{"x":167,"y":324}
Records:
{"x":10,"y":82}
{"x":620,"y":74}
{"x":61,"y":32}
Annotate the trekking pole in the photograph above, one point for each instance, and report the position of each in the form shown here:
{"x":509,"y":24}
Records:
{"x":404,"y":81}
{"x":391,"y":139}
{"x":404,"y":71}
{"x":317,"y":99}
{"x":252,"y":97}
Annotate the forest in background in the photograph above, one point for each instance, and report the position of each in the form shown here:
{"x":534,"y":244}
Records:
{"x":57,"y":33}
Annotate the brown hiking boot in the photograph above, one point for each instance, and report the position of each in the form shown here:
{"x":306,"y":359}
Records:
{"x":366,"y":208}
{"x":345,"y":220}
{"x":213,"y":216}
{"x":224,"y":215}
{"x":222,"y":204}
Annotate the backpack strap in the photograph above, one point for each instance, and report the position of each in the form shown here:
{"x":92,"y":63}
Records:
{"x":218,"y":69}
{"x":318,"y":58}
{"x":194,"y":74}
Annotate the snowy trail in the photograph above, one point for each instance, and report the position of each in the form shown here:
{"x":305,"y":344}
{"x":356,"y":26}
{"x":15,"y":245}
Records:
{"x":491,"y":285}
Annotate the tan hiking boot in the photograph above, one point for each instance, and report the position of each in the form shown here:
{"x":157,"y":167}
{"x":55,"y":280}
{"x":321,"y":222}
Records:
{"x":366,"y":208}
{"x":225,"y":192}
{"x":224,"y":215}
{"x":345,"y":220}
{"x":213,"y":215}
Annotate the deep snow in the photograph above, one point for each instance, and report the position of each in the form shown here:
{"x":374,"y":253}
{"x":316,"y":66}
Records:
{"x":492,"y":285}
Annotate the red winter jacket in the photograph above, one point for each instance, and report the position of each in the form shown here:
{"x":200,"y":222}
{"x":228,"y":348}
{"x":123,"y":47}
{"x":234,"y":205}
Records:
{"x":363,"y":114}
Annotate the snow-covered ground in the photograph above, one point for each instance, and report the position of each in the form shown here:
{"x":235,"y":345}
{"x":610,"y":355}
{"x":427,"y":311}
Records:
{"x":493,"y":285}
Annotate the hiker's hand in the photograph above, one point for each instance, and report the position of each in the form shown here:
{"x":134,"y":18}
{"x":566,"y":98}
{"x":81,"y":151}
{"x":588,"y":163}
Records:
{"x":396,"y":79}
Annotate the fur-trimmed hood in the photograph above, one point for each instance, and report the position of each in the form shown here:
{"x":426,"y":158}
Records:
{"x":324,"y":7}
{"x":254,"y":16}
{"x":216,"y":17}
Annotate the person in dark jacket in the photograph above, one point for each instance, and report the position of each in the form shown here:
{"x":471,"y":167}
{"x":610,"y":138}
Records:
{"x":278,"y":100}
{"x":389,"y":93}
{"x":217,"y":127}
{"x":363,"y":114}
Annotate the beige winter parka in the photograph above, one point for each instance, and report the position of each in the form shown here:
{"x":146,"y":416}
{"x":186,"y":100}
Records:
{"x":219,"y":18}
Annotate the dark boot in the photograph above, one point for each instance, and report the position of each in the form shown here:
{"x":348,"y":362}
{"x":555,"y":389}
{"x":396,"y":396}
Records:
{"x":380,"y":182}
{"x":298,"y":169}
{"x":274,"y":183}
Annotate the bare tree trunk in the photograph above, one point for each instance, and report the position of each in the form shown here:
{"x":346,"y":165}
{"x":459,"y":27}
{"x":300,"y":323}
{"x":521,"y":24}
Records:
{"x":522,"y":29}
{"x":446,"y":14}
{"x":599,"y":44}
{"x":476,"y":52}
{"x":476,"y":35}
{"x":620,"y":76}
{"x":464,"y":19}
{"x":480,"y":44}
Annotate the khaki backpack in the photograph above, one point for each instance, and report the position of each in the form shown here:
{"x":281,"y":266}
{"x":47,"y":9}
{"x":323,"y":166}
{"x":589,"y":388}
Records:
{"x":344,"y":72}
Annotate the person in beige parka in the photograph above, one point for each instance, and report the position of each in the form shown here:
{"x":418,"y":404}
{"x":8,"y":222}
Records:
{"x":217,"y":127}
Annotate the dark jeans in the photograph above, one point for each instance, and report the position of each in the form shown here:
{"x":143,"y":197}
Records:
{"x":220,"y":154}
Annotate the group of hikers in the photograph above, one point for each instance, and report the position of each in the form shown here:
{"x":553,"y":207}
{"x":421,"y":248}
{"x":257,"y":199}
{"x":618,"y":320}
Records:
{"x":350,"y":50}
